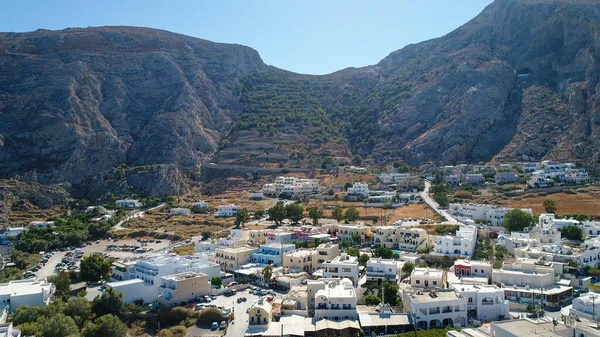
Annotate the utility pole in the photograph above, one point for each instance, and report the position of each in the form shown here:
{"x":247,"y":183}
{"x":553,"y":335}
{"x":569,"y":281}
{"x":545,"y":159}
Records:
{"x":593,"y":297}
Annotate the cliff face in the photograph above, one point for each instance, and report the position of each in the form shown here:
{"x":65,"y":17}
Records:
{"x":518,"y":82}
{"x":77,"y":103}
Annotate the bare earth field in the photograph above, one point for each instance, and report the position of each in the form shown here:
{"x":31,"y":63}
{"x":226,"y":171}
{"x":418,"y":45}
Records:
{"x":586,"y":201}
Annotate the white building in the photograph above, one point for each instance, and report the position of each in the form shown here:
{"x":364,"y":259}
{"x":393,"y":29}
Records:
{"x":505,"y":177}
{"x":129,"y":203}
{"x":228,"y":210}
{"x":343,"y":266}
{"x":484,"y":302}
{"x":452,"y":179}
{"x":41,"y":224}
{"x":30,"y":292}
{"x":10,"y":232}
{"x":180,"y":211}
{"x":255,"y":195}
{"x":336,"y":302}
{"x":426,"y":278}
{"x":436,"y":309}
{"x":403,"y":238}
{"x":359,"y":189}
{"x":473,"y":179}
{"x":382,"y":269}
{"x":549,"y":220}
{"x":587,"y":305}
{"x":463,"y":244}
{"x":494,"y":215}
{"x":291,"y":186}
{"x":200,"y":204}
{"x":150,"y":271}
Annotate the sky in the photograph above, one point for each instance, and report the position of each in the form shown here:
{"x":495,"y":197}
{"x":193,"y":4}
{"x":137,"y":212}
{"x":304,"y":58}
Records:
{"x":304,"y":36}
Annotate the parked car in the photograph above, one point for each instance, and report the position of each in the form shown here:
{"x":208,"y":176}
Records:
{"x":223,"y":325}
{"x":215,"y":326}
{"x":207,"y":298}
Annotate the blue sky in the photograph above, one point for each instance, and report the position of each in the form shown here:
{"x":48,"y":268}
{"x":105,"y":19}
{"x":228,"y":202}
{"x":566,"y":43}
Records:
{"x":308,"y":36}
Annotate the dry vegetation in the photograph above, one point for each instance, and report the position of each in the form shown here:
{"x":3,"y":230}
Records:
{"x":586,"y":201}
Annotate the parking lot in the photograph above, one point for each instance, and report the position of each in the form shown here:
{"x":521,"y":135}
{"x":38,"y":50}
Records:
{"x":49,"y":268}
{"x":240,"y":323}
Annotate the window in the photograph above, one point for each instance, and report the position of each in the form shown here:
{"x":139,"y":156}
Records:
{"x":470,"y":299}
{"x":346,"y":270}
{"x":435,"y":283}
{"x":475,"y":270}
{"x":418,"y":281}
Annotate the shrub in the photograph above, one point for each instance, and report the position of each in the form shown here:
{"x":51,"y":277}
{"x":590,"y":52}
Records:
{"x":207,"y":316}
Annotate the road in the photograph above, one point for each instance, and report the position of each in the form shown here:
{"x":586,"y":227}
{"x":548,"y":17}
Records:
{"x":138,"y":214}
{"x":435,"y":206}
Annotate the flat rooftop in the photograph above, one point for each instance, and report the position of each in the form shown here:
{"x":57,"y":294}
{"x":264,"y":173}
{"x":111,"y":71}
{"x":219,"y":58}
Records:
{"x":425,"y":297}
{"x":235,"y":250}
{"x":184,"y":276}
{"x":299,"y":253}
{"x":526,"y":327}
{"x":24,"y":287}
{"x":427,"y":272}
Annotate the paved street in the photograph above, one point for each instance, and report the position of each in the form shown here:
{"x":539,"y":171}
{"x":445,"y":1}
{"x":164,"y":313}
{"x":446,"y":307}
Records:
{"x":238,"y":328}
{"x":48,"y":269}
{"x":436,"y":207}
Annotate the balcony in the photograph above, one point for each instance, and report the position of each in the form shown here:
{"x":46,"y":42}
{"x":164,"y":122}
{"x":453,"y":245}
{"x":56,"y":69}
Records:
{"x":446,"y":309}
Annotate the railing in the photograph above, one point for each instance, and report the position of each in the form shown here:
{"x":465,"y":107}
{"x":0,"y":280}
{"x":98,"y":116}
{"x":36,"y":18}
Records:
{"x":446,"y":310}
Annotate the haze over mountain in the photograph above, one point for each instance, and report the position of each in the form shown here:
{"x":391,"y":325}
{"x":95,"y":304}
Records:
{"x":518,"y":82}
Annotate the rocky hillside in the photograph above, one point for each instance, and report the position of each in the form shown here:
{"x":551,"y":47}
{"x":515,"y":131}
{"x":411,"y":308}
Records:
{"x":75,"y":104}
{"x":518,"y":82}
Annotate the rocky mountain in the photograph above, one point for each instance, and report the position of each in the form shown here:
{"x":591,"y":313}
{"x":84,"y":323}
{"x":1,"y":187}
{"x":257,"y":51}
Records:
{"x":518,"y":82}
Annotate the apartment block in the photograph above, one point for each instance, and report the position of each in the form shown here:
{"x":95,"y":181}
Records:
{"x":323,"y":253}
{"x":183,"y":287}
{"x":272,"y":254}
{"x":462,"y":244}
{"x":343,"y":266}
{"x":336,"y":301}
{"x":299,"y":261}
{"x":382,"y":269}
{"x":426,"y":278}
{"x":231,"y":258}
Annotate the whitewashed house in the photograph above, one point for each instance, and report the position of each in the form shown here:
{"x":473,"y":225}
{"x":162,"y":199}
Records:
{"x":228,"y":210}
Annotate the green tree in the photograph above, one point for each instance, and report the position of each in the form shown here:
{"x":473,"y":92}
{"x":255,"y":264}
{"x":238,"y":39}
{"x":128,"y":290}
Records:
{"x":80,"y":309}
{"x":500,"y":252}
{"x":344,"y":244}
{"x":517,"y":220}
{"x":315,"y":213}
{"x":258,"y":214}
{"x":441,"y":198}
{"x":277,"y":213}
{"x":58,"y":325}
{"x":347,"y":186}
{"x":216,"y":282}
{"x":356,"y":238}
{"x":356,"y":159}
{"x":550,"y":206}
{"x":294,"y":212}
{"x":353,"y":252}
{"x":408,"y":268}
{"x":27,"y":314}
{"x":110,"y":302}
{"x":62,"y":284}
{"x":572,"y":233}
{"x":29,"y":329}
{"x":383,"y":252}
{"x":351,"y":214}
{"x":337,"y":214}
{"x":207,"y":234}
{"x":267,"y":273}
{"x":362,"y":260}
{"x":372,"y":300}
{"x":94,"y":268}
{"x":241,"y":217}
{"x":390,"y":290}
{"x":106,"y":326}
{"x":10,"y":274}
